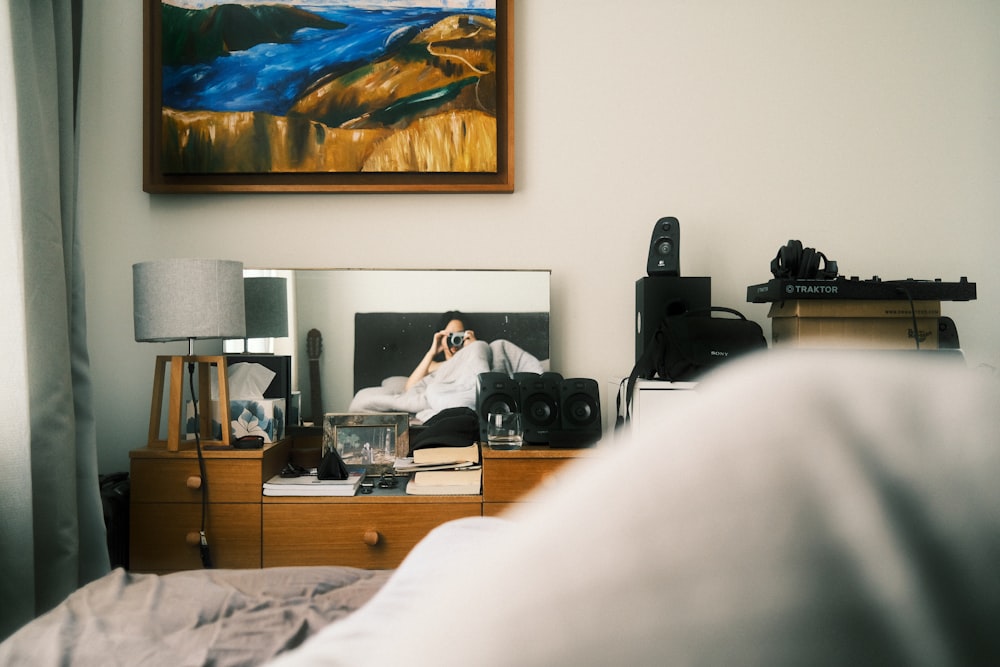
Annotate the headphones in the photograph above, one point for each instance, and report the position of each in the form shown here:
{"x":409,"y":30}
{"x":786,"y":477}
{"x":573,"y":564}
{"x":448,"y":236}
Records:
{"x":794,"y":261}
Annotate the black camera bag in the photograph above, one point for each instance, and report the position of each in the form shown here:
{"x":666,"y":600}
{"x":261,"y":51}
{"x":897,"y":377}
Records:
{"x":685,"y":346}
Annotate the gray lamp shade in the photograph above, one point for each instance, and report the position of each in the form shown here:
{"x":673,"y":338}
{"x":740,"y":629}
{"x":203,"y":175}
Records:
{"x":183,"y":299}
{"x":266,"y":307}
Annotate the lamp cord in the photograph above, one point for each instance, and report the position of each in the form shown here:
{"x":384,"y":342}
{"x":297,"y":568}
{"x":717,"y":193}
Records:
{"x":913,"y":314}
{"x":206,"y":556}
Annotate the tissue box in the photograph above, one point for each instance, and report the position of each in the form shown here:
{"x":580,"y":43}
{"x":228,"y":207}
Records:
{"x":249,"y":416}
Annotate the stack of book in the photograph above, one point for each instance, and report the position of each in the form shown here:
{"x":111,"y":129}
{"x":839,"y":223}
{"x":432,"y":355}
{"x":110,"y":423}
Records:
{"x":311,"y":485}
{"x":444,"y":458}
{"x":448,"y":470}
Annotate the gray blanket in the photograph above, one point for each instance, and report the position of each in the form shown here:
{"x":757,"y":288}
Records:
{"x":202,"y":617}
{"x":452,"y":385}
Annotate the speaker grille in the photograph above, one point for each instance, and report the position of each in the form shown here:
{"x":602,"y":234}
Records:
{"x":495,"y":392}
{"x":499,"y":402}
{"x":580,"y":412}
{"x":541,"y":409}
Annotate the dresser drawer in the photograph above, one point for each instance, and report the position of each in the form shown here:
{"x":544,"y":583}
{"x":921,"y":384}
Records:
{"x":497,"y":509}
{"x":357,"y":533}
{"x":179,"y":480}
{"x":164,"y":536}
{"x":507,"y":480}
{"x":234,"y":476}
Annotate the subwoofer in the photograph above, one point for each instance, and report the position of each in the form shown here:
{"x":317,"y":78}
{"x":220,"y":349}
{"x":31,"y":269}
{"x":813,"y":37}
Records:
{"x":579,"y":414}
{"x":539,"y":400}
{"x":660,"y":296}
{"x":495,"y":392}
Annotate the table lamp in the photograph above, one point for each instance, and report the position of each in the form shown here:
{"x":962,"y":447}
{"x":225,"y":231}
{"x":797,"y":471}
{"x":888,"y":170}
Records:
{"x":188,"y":299}
{"x":266,"y":300}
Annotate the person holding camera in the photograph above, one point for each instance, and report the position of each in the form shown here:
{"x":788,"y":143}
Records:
{"x":453,"y":336}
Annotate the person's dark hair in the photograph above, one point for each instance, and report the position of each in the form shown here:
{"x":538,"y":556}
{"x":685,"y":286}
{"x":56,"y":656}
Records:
{"x":455,"y":315}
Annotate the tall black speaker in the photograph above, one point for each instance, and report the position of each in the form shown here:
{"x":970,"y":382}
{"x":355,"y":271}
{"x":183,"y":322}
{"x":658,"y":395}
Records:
{"x":659,"y":296}
{"x":579,"y":414}
{"x":495,"y":392}
{"x":539,"y":396}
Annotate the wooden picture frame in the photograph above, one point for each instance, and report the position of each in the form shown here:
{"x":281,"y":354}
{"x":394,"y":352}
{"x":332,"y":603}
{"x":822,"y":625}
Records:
{"x":372,"y":440}
{"x":265,"y":152}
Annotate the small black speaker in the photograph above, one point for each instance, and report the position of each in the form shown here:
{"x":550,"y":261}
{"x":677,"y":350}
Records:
{"x":664,"y":248}
{"x":495,"y":392}
{"x":579,"y":414}
{"x":947,"y":334}
{"x":539,"y":397}
{"x":660,"y":296}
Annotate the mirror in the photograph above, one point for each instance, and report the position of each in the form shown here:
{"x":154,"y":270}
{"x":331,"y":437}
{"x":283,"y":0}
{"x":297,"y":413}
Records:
{"x":504,"y":303}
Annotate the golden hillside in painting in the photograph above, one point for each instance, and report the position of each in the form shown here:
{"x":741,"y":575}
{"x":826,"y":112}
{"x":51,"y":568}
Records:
{"x":430,"y":106}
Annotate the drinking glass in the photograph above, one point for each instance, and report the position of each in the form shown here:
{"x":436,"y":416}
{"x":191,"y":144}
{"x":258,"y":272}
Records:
{"x":504,"y":430}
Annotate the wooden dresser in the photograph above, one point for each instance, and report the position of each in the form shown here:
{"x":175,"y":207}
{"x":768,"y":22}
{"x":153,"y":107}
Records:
{"x":508,"y":476}
{"x":166,"y":501}
{"x":245,"y":529}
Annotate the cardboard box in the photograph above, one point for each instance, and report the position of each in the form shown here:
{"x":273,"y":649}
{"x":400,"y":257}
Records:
{"x":252,"y":416}
{"x":860,"y":324}
{"x":853,"y":308}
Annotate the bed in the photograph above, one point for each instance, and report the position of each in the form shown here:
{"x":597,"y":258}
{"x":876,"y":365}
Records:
{"x":232,"y":618}
{"x":201,"y":617}
{"x":845,"y":511}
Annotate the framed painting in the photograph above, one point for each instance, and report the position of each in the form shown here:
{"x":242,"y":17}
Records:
{"x":373,"y":440}
{"x":328,"y":96}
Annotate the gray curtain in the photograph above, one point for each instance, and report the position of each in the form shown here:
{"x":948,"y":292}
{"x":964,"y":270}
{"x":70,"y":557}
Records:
{"x":56,"y":540}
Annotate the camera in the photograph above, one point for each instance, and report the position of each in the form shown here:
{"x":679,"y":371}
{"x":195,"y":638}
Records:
{"x":456,"y":339}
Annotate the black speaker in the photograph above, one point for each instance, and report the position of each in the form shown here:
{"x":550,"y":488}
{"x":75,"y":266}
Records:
{"x":495,"y":392}
{"x":947,"y":334}
{"x":579,"y":414}
{"x":664,"y":248}
{"x":539,"y":399}
{"x":657,"y":297}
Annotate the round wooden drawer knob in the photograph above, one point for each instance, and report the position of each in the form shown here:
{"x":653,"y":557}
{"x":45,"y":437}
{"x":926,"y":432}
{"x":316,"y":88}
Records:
{"x":193,"y":538}
{"x":194,"y":482}
{"x":371,"y":537}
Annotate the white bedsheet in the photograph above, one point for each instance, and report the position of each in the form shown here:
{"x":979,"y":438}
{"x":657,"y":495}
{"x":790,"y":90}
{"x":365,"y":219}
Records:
{"x":451,"y":385}
{"x":808,"y":509}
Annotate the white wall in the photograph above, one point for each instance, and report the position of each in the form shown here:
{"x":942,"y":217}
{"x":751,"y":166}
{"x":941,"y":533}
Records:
{"x":869,"y":129}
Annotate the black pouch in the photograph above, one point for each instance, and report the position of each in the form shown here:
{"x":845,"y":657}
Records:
{"x":691,"y":344}
{"x":332,"y":466}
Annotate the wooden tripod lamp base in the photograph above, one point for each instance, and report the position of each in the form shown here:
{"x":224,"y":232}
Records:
{"x":176,"y":433}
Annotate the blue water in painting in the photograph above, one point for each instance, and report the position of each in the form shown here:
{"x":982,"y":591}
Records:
{"x":270,"y":77}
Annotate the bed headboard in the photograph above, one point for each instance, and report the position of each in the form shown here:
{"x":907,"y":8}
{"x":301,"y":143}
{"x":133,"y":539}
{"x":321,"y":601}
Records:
{"x":387,"y":344}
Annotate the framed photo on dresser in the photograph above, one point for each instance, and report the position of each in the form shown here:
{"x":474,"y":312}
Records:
{"x":372,"y":440}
